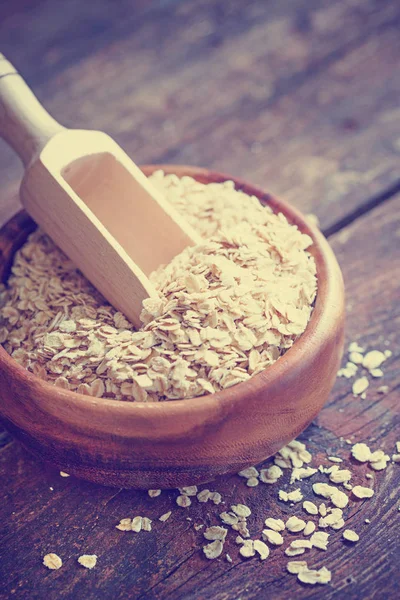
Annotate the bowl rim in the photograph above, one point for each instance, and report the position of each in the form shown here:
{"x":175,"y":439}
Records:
{"x":317,"y":331}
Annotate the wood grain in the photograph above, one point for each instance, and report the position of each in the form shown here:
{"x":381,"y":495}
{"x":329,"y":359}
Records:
{"x":77,"y":517}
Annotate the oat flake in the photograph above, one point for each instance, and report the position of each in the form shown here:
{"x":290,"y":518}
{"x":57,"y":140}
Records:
{"x":360,"y":385}
{"x":350,"y":535}
{"x":362,"y":492}
{"x":275,"y":524}
{"x":183,"y":501}
{"x":273,"y":537}
{"x":52,"y":561}
{"x":323,"y":576}
{"x":88,"y":560}
{"x":165,"y":516}
{"x":213,"y":550}
{"x":361,"y":452}
{"x":295,"y":566}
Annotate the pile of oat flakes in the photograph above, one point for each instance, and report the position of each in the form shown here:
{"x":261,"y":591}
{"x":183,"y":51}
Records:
{"x":226,"y":310}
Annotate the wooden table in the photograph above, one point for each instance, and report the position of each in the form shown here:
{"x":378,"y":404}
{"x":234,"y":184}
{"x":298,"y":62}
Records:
{"x":303,"y":99}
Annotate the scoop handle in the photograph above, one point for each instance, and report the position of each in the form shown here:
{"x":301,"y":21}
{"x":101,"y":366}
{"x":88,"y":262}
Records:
{"x":24,"y":124}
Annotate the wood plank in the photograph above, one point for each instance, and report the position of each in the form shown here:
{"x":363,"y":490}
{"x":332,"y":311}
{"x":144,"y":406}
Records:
{"x":77,"y":517}
{"x":330,"y":147}
{"x":198,"y":82}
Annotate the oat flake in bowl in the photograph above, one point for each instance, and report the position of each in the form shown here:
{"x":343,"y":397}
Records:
{"x":227,"y":309}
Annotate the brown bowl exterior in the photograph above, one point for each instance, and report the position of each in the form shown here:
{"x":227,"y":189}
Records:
{"x":177,"y":443}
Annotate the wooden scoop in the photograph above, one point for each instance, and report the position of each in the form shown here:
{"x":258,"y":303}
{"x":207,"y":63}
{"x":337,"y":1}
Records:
{"x":91,"y":199}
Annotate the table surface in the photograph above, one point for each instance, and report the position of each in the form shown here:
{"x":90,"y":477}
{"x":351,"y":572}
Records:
{"x":303,"y":99}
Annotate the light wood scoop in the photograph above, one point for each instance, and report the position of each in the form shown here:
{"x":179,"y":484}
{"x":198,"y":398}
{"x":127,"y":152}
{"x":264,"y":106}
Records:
{"x":91,"y":199}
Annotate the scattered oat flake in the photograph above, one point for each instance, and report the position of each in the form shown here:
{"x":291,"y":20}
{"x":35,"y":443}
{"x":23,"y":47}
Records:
{"x":337,"y":497}
{"x":153,"y":493}
{"x":125,"y":525}
{"x":319,"y":540}
{"x":252,"y":482}
{"x":229,"y":518}
{"x":204,"y":496}
{"x":213,"y":550}
{"x":215,"y":533}
{"x":247,"y":549}
{"x":379,"y":460}
{"x":249,"y":472}
{"x":322,"y":509}
{"x":362,"y":492}
{"x":282,"y":495}
{"x":183,"y":501}
{"x":146,"y":524}
{"x":356,"y":358}
{"x":350,"y":535}
{"x":338,"y":524}
{"x":261,"y":548}
{"x":354,"y":347}
{"x":335,"y":459}
{"x":241,"y":528}
{"x":241,"y":510}
{"x":295,"y":566}
{"x":294,"y":524}
{"x":294,"y":496}
{"x":136,"y":524}
{"x":334,"y":517}
{"x":63,"y":474}
{"x":216,"y":497}
{"x":360,"y":385}
{"x":191,"y":490}
{"x":348,"y":371}
{"x":310,"y":507}
{"x":88,"y":560}
{"x":271,"y":475}
{"x":310,"y":576}
{"x":165,"y":516}
{"x":309,"y":528}
{"x":378,"y":456}
{"x":239,"y":539}
{"x":361,"y":452}
{"x":340,"y":476}
{"x":52,"y":561}
{"x":376,"y":373}
{"x":275,"y":524}
{"x":228,"y":558}
{"x":273,"y":537}
{"x":294,"y":551}
{"x":301,"y":473}
{"x":373,"y":359}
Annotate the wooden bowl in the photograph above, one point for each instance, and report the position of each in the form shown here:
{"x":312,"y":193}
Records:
{"x":177,"y":443}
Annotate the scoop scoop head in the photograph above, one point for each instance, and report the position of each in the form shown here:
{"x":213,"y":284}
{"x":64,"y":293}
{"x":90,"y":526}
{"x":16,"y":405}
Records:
{"x":106,"y":216}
